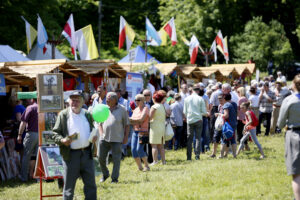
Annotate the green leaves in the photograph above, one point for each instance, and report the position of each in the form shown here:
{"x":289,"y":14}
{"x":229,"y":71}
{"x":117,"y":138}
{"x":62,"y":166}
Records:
{"x":262,"y":42}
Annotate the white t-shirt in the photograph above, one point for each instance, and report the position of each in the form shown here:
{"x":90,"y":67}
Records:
{"x":281,"y":79}
{"x":78,"y":123}
{"x":254,"y":101}
{"x":234,"y":97}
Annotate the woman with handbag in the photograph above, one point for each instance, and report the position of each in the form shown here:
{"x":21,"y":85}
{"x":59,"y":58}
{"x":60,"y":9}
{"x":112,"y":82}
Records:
{"x":157,"y":127}
{"x":140,"y":136}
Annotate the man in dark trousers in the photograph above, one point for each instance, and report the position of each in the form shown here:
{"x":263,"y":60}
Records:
{"x":76,"y":150}
{"x":29,"y":120}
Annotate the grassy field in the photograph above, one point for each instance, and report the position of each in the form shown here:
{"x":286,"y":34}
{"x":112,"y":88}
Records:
{"x":246,"y":177}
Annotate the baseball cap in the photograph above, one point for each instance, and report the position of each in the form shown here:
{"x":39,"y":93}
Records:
{"x":76,"y":93}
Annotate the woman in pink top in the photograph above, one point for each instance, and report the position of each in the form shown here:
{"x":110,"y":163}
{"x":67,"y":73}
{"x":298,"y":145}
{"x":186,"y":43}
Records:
{"x":140,"y":122}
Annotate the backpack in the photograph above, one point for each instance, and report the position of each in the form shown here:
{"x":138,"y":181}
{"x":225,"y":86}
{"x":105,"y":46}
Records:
{"x":227,"y":131}
{"x":255,"y":121}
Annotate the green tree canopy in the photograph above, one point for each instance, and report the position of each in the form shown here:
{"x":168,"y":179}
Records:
{"x":263,"y":42}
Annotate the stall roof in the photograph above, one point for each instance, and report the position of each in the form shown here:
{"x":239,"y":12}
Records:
{"x":31,"y":68}
{"x":239,"y":68}
{"x":187,"y":69}
{"x":164,"y":68}
{"x":95,"y":66}
{"x":25,"y":72}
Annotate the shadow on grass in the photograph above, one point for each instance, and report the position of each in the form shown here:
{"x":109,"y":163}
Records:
{"x":130,"y":182}
{"x":177,"y":162}
{"x":16,"y":183}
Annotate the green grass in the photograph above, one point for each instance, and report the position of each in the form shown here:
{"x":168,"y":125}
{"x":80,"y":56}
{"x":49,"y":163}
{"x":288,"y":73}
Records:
{"x":246,"y":177}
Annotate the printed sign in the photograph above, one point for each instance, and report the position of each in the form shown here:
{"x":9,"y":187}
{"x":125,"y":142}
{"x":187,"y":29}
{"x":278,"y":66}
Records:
{"x":134,"y":84}
{"x":2,"y":85}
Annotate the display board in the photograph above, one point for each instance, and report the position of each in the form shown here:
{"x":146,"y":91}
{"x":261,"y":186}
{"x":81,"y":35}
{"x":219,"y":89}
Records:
{"x":49,"y":164}
{"x":50,"y":92}
{"x":134,"y":84}
{"x":46,"y":122}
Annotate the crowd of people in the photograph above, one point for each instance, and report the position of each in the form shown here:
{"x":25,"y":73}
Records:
{"x":197,"y":113}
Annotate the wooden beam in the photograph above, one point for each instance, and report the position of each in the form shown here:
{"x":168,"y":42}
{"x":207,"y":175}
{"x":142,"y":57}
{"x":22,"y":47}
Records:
{"x":110,"y":69}
{"x":13,"y":80}
{"x":68,"y":72}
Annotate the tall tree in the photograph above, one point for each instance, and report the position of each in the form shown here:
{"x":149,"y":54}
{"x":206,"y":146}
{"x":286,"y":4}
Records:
{"x":263,"y":42}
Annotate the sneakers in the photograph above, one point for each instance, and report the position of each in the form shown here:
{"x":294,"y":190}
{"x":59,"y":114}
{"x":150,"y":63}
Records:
{"x":197,"y":158}
{"x":212,"y":156}
{"x":154,"y":163}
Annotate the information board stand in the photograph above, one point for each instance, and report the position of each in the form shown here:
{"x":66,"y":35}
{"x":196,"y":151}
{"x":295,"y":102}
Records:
{"x":50,"y":102}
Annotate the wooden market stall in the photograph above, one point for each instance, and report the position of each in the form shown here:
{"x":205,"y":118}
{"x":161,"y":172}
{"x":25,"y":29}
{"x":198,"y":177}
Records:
{"x":223,"y":72}
{"x":98,"y":72}
{"x":164,"y":68}
{"x":24,"y":73}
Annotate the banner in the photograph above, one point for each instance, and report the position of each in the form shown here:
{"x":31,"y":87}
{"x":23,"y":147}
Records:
{"x":134,"y":84}
{"x":2,"y":85}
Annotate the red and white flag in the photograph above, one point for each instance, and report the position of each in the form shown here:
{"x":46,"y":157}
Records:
{"x":193,"y":49}
{"x":125,"y":33}
{"x":171,"y":30}
{"x":69,"y":33}
{"x":222,"y":45}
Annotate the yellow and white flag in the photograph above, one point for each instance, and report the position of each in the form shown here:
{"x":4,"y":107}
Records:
{"x":30,"y":34}
{"x":86,"y":44}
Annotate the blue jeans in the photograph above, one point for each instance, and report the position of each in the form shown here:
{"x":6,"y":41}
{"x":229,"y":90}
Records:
{"x":193,"y":129}
{"x":177,"y":135}
{"x":251,"y":133}
{"x":205,"y":135}
{"x":137,"y":149}
{"x":205,"y":138}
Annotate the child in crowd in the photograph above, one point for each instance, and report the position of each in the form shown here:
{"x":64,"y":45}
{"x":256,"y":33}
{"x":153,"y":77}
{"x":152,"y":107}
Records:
{"x":249,"y":128}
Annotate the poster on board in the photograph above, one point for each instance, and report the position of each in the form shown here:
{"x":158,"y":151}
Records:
{"x":2,"y":85}
{"x":134,"y":84}
{"x":50,"y":92}
{"x":49,"y":163}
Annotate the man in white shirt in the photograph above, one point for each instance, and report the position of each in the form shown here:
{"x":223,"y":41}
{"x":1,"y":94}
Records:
{"x":76,"y":150}
{"x":184,"y":92}
{"x":194,"y":108}
{"x":280,"y":77}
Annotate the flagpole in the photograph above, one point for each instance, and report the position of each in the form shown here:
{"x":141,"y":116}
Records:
{"x":99,"y":26}
{"x":146,"y":46}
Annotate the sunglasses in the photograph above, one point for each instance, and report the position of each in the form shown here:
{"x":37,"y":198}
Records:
{"x":137,"y":100}
{"x":147,"y":95}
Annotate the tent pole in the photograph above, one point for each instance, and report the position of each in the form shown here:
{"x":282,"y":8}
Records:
{"x":146,"y":47}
